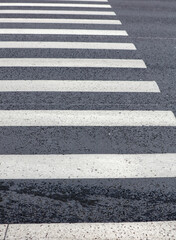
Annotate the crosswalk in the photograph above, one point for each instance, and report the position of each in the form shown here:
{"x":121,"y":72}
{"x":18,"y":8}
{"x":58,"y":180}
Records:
{"x":77,"y":86}
{"x":55,"y":5}
{"x":64,"y":32}
{"x":87,"y":166}
{"x":94,"y":231}
{"x":70,"y":168}
{"x":86,"y":118}
{"x":58,"y":12}
{"x":59,"y":20}
{"x":69,"y":45}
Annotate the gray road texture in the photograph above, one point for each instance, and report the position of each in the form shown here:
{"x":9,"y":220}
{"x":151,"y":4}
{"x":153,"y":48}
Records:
{"x":151,"y":27}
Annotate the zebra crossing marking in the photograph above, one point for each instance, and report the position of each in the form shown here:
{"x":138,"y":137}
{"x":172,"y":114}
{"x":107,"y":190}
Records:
{"x":60,"y":20}
{"x":81,"y":1}
{"x":81,"y":166}
{"x":77,"y":86}
{"x":68,"y":45}
{"x":73,"y":5}
{"x":163,"y":230}
{"x":86,"y":118}
{"x":57,"y":12}
{"x":103,"y":1}
{"x":62,"y":31}
{"x":72,"y":62}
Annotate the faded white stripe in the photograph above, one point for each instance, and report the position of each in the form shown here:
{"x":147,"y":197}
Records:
{"x":59,"y":20}
{"x":60,"y":12}
{"x":72,"y":62}
{"x":92,"y":231}
{"x":77,"y":86}
{"x":82,"y":0}
{"x":87,"y":166}
{"x":63,"y":31}
{"x":55,"y":5}
{"x":69,"y":45}
{"x":86,"y":118}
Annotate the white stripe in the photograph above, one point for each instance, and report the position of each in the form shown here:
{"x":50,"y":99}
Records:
{"x":61,"y":12}
{"x":77,"y":86}
{"x":59,"y":20}
{"x":71,"y":62}
{"x":87,"y":166}
{"x":63,"y":31}
{"x":3,"y":228}
{"x":82,"y":0}
{"x":56,"y":5}
{"x":91,"y":231}
{"x":86,"y":118}
{"x":68,"y":45}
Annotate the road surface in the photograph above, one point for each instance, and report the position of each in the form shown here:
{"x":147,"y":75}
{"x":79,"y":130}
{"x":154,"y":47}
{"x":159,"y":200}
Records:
{"x":87,"y":119}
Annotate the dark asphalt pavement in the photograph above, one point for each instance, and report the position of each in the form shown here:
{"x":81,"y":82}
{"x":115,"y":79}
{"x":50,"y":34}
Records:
{"x":151,"y":26}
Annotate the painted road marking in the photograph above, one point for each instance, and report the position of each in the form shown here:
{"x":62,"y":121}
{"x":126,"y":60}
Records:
{"x":68,"y":45}
{"x":55,"y":5}
{"x":91,"y":231}
{"x":63,"y":31}
{"x":59,"y":20}
{"x":77,"y":86}
{"x":87,"y":166}
{"x":72,"y":62}
{"x":83,"y":0}
{"x":60,"y":12}
{"x":86,"y":118}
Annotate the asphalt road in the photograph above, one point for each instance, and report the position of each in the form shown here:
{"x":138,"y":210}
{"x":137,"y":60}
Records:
{"x":151,"y":28}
